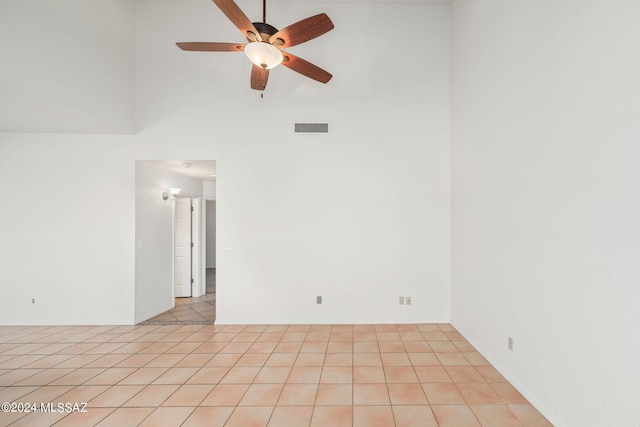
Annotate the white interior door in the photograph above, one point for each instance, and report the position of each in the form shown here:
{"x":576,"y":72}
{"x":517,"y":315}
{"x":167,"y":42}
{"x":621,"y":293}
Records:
{"x":182,"y":248}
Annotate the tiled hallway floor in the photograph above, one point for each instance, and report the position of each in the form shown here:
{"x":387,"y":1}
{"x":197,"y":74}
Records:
{"x":188,"y":311}
{"x":255,"y":375}
{"x":191,"y":311}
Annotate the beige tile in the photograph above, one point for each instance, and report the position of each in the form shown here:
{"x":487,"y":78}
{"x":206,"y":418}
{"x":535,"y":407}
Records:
{"x":368,"y":374}
{"x":508,"y":393}
{"x":366,"y":346}
{"x":310,"y":359}
{"x":298,"y":394}
{"x":38,"y":419}
{"x":77,"y":377}
{"x":400,"y":374}
{"x":391,"y":347}
{"x":214,"y":416}
{"x":454,"y":416}
{"x":464,"y":374}
{"x":334,"y":394}
{"x":250,"y":416}
{"x":340,"y":347}
{"x":417,"y":347}
{"x":370,"y":394}
{"x":337,"y":374}
{"x":12,"y":394}
{"x":241,"y":375}
{"x":452,"y":359}
{"x":338,"y":359}
{"x":442,"y":393}
{"x":273,"y":375}
{"x":225,"y":395}
{"x":495,"y":415}
{"x":261,"y":395}
{"x":305,"y":374}
{"x":334,"y":416}
{"x":424,"y":359}
{"x":529,"y":416}
{"x":276,"y":375}
{"x":395,"y":359}
{"x":432,"y":374}
{"x":33,"y":376}
{"x":90,"y":418}
{"x":176,"y":376}
{"x":125,"y":416}
{"x":188,"y":395}
{"x":372,"y":416}
{"x":253,"y":359}
{"x":115,"y":396}
{"x":414,"y":416}
{"x":152,"y":395}
{"x":281,"y":359}
{"x":208,"y":375}
{"x":490,"y":374}
{"x":224,"y":359}
{"x":288,"y":416}
{"x":478,"y":393}
{"x":167,"y":417}
{"x":407,"y":394}
{"x":143,"y":376}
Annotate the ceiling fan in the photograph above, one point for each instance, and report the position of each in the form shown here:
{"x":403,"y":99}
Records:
{"x":266,"y":43}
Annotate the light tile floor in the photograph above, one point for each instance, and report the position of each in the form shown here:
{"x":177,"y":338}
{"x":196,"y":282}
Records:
{"x":191,"y":311}
{"x":188,"y":311}
{"x":255,"y":375}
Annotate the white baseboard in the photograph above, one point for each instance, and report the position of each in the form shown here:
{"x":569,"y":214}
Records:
{"x":551,"y":417}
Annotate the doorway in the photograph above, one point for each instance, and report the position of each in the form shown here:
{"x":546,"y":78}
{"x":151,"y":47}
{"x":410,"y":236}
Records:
{"x":158,"y":257}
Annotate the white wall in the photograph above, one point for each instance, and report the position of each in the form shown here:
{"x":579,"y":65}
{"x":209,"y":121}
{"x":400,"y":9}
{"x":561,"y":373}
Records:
{"x":359,"y":215}
{"x":154,"y":237}
{"x":67,"y":66}
{"x":546,"y":237}
{"x":67,"y":227}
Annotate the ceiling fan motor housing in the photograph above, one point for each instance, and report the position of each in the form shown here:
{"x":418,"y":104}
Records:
{"x":265,"y":30}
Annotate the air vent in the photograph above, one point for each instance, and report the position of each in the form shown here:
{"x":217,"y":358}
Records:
{"x":312,"y":127}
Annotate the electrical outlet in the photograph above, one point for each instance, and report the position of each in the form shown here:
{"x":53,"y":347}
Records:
{"x":33,"y":300}
{"x":318,"y":299}
{"x":401,"y":301}
{"x":510,"y":343}
{"x":408,"y":300}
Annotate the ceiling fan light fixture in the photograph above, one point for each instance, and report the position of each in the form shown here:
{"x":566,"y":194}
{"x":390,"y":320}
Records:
{"x":263,"y":54}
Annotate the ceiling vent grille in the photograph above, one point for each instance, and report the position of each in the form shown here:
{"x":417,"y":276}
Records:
{"x":312,"y":127}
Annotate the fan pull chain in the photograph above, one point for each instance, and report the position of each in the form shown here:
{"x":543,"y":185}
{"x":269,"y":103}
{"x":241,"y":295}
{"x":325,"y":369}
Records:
{"x":264,"y":11}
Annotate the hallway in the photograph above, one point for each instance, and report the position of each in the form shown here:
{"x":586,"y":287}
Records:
{"x":191,"y":311}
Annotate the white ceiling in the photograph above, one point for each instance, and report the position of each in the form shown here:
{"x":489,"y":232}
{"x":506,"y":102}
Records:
{"x":204,"y":170}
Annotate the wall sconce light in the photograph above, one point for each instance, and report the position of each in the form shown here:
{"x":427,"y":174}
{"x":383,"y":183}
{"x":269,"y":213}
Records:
{"x":171,"y":195}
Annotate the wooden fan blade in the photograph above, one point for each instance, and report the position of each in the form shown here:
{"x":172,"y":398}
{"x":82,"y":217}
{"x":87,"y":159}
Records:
{"x":211,"y":46}
{"x":238,"y":18}
{"x":302,"y":31}
{"x":259,"y":77}
{"x":305,"y":68}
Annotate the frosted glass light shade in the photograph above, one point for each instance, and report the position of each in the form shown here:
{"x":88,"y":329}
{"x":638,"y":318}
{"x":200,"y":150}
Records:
{"x":263,"y":54}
